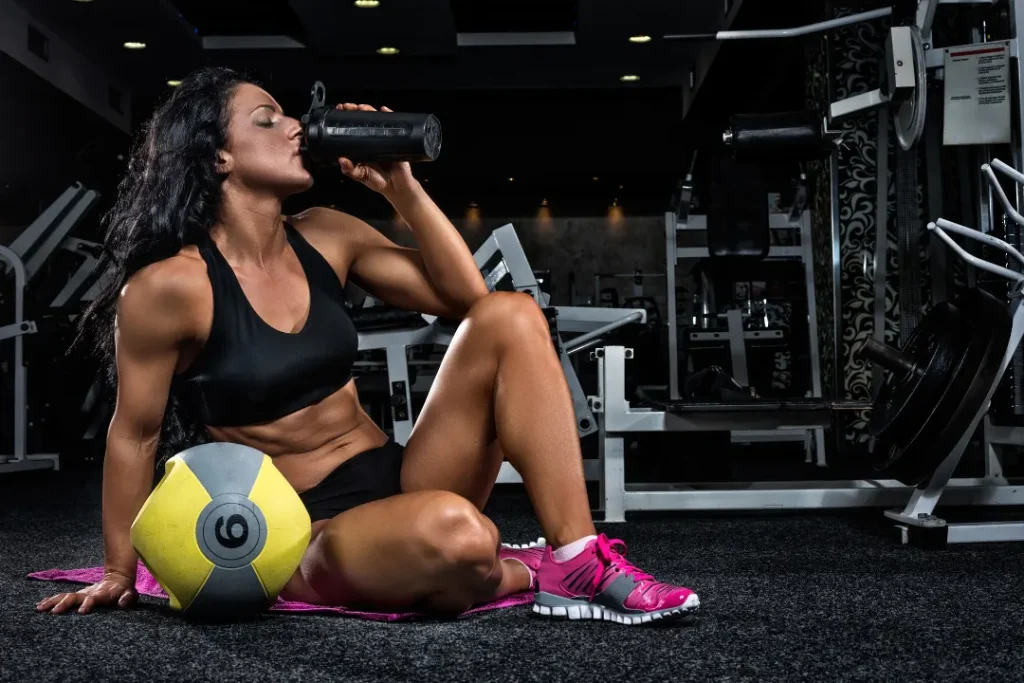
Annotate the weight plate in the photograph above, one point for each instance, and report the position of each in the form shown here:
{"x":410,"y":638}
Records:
{"x":965,"y":393}
{"x":936,"y":344}
{"x":909,"y":117}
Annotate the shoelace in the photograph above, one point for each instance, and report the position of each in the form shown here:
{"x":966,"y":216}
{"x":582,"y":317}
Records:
{"x":610,"y":556}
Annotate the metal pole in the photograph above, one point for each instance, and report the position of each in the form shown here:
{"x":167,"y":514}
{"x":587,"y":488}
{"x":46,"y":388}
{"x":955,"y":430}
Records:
{"x":20,"y":382}
{"x":881,"y":240}
{"x":673,"y":323}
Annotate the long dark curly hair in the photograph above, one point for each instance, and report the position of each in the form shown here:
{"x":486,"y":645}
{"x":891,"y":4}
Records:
{"x":169,"y":197}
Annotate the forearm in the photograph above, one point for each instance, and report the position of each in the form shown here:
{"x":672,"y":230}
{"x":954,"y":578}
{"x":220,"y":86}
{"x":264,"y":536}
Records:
{"x":127,"y":483}
{"x":446,"y":257}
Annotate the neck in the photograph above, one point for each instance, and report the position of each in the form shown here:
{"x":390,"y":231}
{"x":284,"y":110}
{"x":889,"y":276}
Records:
{"x":249,"y":230}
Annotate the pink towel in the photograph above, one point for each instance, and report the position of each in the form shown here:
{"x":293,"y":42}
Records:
{"x":145,"y":584}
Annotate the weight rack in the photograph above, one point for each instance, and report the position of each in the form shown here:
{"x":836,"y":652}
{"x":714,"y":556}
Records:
{"x":918,"y":517}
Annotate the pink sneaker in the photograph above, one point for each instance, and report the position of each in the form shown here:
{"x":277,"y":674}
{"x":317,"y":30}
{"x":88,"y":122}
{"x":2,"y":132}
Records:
{"x":528,"y":555}
{"x":600,"y":583}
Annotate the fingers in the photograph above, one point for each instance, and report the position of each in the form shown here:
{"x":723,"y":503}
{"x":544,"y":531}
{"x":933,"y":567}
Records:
{"x":61,"y":603}
{"x":87,"y":602}
{"x":46,"y":604}
{"x":127,"y":599}
{"x":87,"y":605}
{"x":354,"y":171}
{"x":350,"y":106}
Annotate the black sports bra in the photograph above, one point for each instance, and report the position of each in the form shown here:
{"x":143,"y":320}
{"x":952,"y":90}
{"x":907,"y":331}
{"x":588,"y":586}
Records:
{"x":249,"y":372}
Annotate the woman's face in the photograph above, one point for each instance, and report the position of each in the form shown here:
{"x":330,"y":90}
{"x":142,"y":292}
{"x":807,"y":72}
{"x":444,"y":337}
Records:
{"x":262,"y":150}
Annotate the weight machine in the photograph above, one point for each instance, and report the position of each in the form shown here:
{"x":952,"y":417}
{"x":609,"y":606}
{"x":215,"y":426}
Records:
{"x":24,"y":259}
{"x":1003,"y":330}
{"x":741,"y":429}
{"x":921,"y":456}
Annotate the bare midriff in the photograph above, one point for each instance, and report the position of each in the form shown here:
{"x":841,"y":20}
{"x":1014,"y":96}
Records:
{"x":310,"y":443}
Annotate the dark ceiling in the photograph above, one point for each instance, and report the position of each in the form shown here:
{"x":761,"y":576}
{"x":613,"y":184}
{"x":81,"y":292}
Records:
{"x":528,"y":89}
{"x":442,"y":44}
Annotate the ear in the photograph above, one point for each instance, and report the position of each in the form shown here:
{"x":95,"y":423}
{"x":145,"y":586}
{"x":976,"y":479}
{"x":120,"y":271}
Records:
{"x":225,"y":162}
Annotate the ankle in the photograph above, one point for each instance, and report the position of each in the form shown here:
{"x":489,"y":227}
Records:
{"x":570,"y":535}
{"x":571,"y":550}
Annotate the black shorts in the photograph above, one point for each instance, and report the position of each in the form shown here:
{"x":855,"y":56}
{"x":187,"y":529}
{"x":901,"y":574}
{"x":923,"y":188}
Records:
{"x":366,"y":477}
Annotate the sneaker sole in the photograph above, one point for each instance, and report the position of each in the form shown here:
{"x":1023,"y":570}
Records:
{"x":579,"y":610}
{"x":539,"y":543}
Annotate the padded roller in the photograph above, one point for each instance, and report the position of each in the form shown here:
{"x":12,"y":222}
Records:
{"x":794,"y":135}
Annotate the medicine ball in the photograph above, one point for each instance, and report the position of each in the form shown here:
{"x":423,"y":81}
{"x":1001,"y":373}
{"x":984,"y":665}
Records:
{"x":222,"y":531}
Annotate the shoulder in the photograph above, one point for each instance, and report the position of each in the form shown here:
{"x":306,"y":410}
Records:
{"x":338,"y":236}
{"x":321,"y":222}
{"x":165,"y":297}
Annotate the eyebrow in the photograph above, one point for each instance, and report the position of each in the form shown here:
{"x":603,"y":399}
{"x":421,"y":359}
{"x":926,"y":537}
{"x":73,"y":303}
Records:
{"x":268,"y":106}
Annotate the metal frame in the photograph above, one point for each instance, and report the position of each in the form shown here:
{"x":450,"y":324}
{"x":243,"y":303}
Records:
{"x":918,"y":513}
{"x":618,"y":417}
{"x":638,"y":277}
{"x":737,"y":344}
{"x":25,"y":256}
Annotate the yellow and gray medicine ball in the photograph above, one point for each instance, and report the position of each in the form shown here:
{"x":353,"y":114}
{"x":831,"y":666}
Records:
{"x":222,"y":532}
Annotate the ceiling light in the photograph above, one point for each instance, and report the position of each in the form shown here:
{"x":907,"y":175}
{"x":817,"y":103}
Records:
{"x":132,"y":45}
{"x":595,"y":178}
{"x":173,"y":83}
{"x":639,"y":39}
{"x":511,"y":179}
{"x":387,"y":50}
{"x":367,"y":3}
{"x":629,"y":78}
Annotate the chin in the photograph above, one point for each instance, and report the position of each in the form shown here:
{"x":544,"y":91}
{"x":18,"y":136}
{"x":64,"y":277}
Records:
{"x":297,"y":185}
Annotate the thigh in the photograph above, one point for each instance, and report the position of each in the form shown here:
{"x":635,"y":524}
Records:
{"x":453,"y":445}
{"x":376,"y":556}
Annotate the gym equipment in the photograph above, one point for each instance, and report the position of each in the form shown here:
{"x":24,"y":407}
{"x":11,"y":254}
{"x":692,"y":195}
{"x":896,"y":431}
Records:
{"x":759,"y":137}
{"x":949,"y":418}
{"x":737,"y":228}
{"x":25,"y":258}
{"x":611,"y":294}
{"x":905,"y":82}
{"x":367,"y":136}
{"x":918,"y":372}
{"x":222,"y":532}
{"x":618,"y":419}
{"x":927,"y":392}
{"x":681,"y":225}
{"x":504,"y":265}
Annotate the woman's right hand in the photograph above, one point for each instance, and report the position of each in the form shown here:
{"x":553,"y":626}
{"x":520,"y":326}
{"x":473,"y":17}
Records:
{"x":111,"y":590}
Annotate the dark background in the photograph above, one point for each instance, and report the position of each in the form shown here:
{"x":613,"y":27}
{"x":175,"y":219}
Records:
{"x":552,"y":117}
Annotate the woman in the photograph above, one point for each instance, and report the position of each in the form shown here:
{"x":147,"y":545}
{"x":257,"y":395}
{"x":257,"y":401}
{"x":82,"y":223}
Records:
{"x":226,"y":321}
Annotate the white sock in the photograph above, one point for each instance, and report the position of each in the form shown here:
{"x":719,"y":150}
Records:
{"x":567,"y":552}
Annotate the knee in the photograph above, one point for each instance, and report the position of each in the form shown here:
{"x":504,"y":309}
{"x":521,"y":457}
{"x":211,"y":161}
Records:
{"x":509,"y":313}
{"x":458,"y":539}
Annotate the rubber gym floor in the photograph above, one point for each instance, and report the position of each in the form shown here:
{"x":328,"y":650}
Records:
{"x":785,"y":597}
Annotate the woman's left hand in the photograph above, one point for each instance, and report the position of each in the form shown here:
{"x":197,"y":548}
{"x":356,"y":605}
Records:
{"x":386,"y":178}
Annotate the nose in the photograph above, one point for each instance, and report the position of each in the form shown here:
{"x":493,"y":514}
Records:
{"x":294,"y":129}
